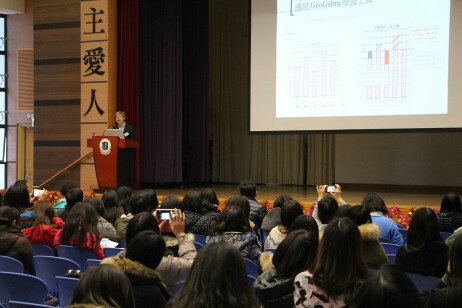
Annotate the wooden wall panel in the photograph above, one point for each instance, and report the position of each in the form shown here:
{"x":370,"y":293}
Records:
{"x":56,"y":11}
{"x":57,"y":43}
{"x":57,"y":89}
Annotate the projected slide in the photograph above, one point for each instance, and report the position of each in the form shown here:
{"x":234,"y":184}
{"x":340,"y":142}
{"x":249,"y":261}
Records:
{"x":361,"y":58}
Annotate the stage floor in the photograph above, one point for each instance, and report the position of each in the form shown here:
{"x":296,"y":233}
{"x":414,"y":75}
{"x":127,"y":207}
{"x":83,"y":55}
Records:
{"x":308,"y":194}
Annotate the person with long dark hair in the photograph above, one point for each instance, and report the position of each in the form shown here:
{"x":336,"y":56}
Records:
{"x":450,"y":215}
{"x":448,"y":292}
{"x":105,"y":228}
{"x":124,"y":193}
{"x":143,"y":255}
{"x":112,"y":209}
{"x":375,"y":205}
{"x":103,"y":285}
{"x":201,"y":212}
{"x":385,"y":288}
{"x":290,"y":210}
{"x":217,"y":279}
{"x":46,"y":224}
{"x":338,"y":270}
{"x":81,"y":229}
{"x":425,"y":252}
{"x":233,"y":226}
{"x":296,"y":253}
{"x":273,"y":218}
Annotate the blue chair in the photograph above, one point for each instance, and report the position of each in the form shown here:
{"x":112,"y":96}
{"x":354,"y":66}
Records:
{"x":198,"y":245}
{"x":16,"y":304}
{"x":199,"y":238}
{"x":91,"y":262}
{"x":66,"y":288}
{"x":179,"y":286}
{"x":384,"y":240}
{"x":251,"y":267}
{"x":391,"y":258}
{"x":122,"y":243}
{"x":270,"y":249}
{"x":111,"y":252}
{"x":42,"y":250}
{"x":423,"y":283}
{"x":445,"y":235}
{"x":11,"y":265}
{"x":80,"y":256}
{"x":47,"y":268}
{"x":251,"y":279}
{"x":21,"y":287}
{"x":403,"y":233}
{"x":390,"y":249}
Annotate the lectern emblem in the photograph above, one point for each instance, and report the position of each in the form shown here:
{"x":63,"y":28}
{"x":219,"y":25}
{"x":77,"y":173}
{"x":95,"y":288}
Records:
{"x":105,"y":146}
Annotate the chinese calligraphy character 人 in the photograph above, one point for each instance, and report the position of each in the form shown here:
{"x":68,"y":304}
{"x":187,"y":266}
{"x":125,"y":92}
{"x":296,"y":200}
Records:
{"x":95,"y":103}
{"x":93,"y":58}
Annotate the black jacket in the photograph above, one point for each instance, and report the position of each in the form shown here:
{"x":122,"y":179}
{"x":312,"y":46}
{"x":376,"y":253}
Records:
{"x":257,"y":212}
{"x":14,"y":244}
{"x":429,"y":260}
{"x":274,"y":290}
{"x":201,"y":223}
{"x":448,"y":222}
{"x":447,"y":293}
{"x":128,"y":129}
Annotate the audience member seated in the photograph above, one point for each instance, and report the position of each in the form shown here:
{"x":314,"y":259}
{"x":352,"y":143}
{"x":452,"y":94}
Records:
{"x":448,"y":293}
{"x":338,"y":270}
{"x":139,"y":202}
{"x":17,"y":196}
{"x":105,"y":228}
{"x":81,"y":229}
{"x":61,"y":203}
{"x":273,"y":218}
{"x":46,"y":224}
{"x":217,"y":279}
{"x":103,"y":286}
{"x":73,"y":196}
{"x":172,"y":269}
{"x":233,"y":227}
{"x":296,"y":253}
{"x":377,"y":208}
{"x":257,"y":210}
{"x":200,"y":218}
{"x":13,"y":243}
{"x":450,"y":215}
{"x":291,"y":209}
{"x":112,"y":209}
{"x":209,"y":199}
{"x":425,"y":252}
{"x":374,"y":255}
{"x":386,"y":288}
{"x":143,"y":255}
{"x":124,"y":193}
{"x":324,"y":212}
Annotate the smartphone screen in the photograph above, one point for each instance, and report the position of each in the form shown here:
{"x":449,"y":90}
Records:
{"x":163,"y":214}
{"x":330,"y":189}
{"x":37,"y":192}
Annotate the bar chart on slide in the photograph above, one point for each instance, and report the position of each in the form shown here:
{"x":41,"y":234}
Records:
{"x":314,"y":72}
{"x":384,"y":72}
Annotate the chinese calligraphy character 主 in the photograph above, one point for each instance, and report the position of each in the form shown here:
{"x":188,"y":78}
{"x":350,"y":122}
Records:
{"x":94,"y":102}
{"x":94,"y":21}
{"x":93,"y":58}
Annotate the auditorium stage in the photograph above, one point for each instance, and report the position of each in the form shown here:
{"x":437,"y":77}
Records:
{"x":402,"y":197}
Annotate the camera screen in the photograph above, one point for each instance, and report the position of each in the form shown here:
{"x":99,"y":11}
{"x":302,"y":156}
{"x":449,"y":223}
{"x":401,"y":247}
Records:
{"x":165,"y":216}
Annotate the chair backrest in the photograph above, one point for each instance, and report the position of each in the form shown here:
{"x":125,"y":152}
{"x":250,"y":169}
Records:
{"x":198,"y":245}
{"x":12,"y":265}
{"x":423,"y":283}
{"x":179,"y":286}
{"x":42,"y":250}
{"x":22,"y":287}
{"x":270,"y":249}
{"x":251,"y":267}
{"x":91,"y":262}
{"x":66,"y":288}
{"x":384,"y":240}
{"x":111,"y":252}
{"x":16,"y":304}
{"x":251,"y":279}
{"x":47,"y":268}
{"x":80,"y":256}
{"x":199,"y":238}
{"x":391,"y":258}
{"x":122,"y":243}
{"x":445,"y":235}
{"x":390,"y":249}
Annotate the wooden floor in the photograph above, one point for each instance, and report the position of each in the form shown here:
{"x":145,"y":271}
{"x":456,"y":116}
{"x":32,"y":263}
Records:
{"x":308,"y":194}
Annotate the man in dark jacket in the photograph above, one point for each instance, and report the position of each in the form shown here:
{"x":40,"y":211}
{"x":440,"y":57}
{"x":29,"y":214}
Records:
{"x":257,"y":210}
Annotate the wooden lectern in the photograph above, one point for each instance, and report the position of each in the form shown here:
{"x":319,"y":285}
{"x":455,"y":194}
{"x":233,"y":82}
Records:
{"x":110,"y":155}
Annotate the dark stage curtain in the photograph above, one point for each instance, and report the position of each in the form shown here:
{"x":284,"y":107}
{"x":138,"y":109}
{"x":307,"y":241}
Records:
{"x":160,"y":51}
{"x":128,"y":67}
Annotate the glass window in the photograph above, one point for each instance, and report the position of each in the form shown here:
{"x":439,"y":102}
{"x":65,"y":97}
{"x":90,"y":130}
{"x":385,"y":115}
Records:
{"x":2,"y":34}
